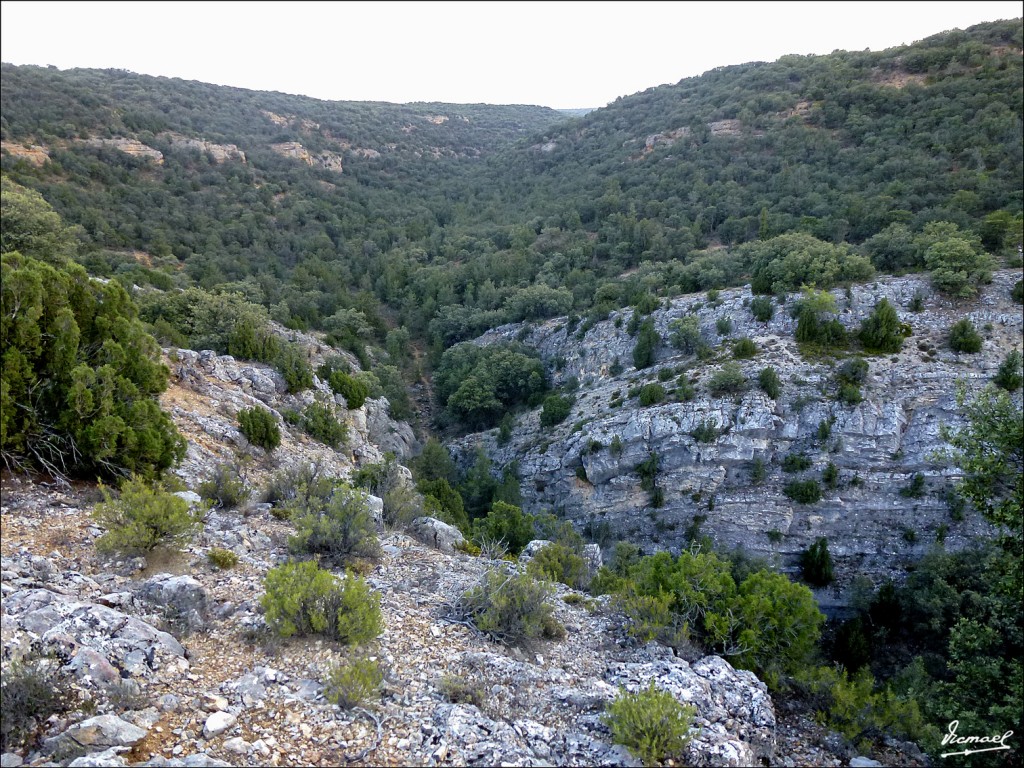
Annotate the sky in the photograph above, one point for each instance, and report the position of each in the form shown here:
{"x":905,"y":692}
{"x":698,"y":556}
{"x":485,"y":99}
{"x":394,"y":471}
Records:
{"x":556,"y":54}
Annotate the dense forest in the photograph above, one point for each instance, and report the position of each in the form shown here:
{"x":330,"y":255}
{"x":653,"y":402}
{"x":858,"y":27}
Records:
{"x":444,"y":221}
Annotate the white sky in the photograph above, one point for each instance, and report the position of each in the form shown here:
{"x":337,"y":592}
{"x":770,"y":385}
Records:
{"x":556,"y":54}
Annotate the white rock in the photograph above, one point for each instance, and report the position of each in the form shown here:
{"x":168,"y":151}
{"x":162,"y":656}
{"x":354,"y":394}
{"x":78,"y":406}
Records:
{"x":217,"y":723}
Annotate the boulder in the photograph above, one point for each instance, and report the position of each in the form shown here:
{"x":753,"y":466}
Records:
{"x":99,"y":733}
{"x":438,"y":534}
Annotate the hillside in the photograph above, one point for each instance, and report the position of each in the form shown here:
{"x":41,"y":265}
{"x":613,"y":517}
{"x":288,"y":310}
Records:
{"x":470,"y":434}
{"x":440,"y":218}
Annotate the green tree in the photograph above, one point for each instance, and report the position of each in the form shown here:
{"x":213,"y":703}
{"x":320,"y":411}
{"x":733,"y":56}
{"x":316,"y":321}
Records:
{"x":787,"y":262}
{"x":556,"y":409}
{"x":882,"y":331}
{"x":647,"y":341}
{"x":1008,"y":376}
{"x":80,"y":376}
{"x":685,"y":335}
{"x":259,"y":427}
{"x":957,"y":264}
{"x":507,"y":524}
{"x":963,"y":337}
{"x":816,"y":564}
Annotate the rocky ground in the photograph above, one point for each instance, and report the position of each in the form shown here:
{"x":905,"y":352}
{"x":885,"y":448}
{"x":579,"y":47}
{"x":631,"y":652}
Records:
{"x":173,"y":665}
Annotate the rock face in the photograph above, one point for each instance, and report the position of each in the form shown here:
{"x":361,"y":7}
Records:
{"x":331,"y":161}
{"x":877,"y":446}
{"x":33,"y":153}
{"x":220,"y":153}
{"x":132,"y":147}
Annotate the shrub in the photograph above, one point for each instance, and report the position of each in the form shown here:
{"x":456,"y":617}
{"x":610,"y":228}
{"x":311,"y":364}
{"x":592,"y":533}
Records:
{"x":816,"y":563}
{"x":729,"y":379}
{"x":320,"y":423}
{"x":769,"y":382}
{"x":512,"y":609}
{"x":651,"y":394}
{"x":685,"y":335}
{"x":349,"y":685}
{"x":458,"y":690}
{"x":744,"y":349}
{"x":854,"y":370}
{"x":647,"y":342}
{"x":830,"y":476}
{"x":723,"y":325}
{"x":762,"y":308}
{"x":964,"y":338}
{"x":757,"y":470}
{"x":803,"y":492}
{"x":665,"y":374}
{"x":225,"y":488}
{"x":303,"y":599}
{"x":292,"y":364}
{"x":504,"y":523}
{"x":555,"y":410}
{"x":1017,"y":292}
{"x":30,"y":692}
{"x":355,"y":391}
{"x":795,"y":462}
{"x":80,"y":375}
{"x":849,"y":394}
{"x":259,"y":427}
{"x":144,"y":517}
{"x":882,"y":331}
{"x":916,"y":488}
{"x":705,"y":432}
{"x":222,"y":558}
{"x":337,"y":529}
{"x":1008,"y":376}
{"x":558,"y":562}
{"x":652,"y":724}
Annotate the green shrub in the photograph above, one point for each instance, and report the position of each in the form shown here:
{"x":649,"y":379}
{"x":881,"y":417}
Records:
{"x":31,"y":691}
{"x":770,"y":383}
{"x":144,"y":517}
{"x":555,"y":410}
{"x":337,"y":528}
{"x":355,"y":391}
{"x":853,"y":371}
{"x":882,"y":331}
{"x":757,"y":470}
{"x":723,"y":325}
{"x":221,"y":558}
{"x":803,"y":492}
{"x":729,"y":379}
{"x":504,"y":523}
{"x":302,"y":599}
{"x":685,"y":391}
{"x":349,"y":685}
{"x":824,"y":430}
{"x":849,"y":394}
{"x":1017,"y":292}
{"x":651,"y":394}
{"x":259,"y":427}
{"x":512,"y":608}
{"x":320,"y":423}
{"x":705,"y":432}
{"x":558,"y":562}
{"x":665,"y":374}
{"x":1008,"y":376}
{"x":647,"y":617}
{"x":652,"y":724}
{"x":830,"y":476}
{"x":964,"y":338}
{"x":80,"y":375}
{"x":795,"y":462}
{"x":225,"y":488}
{"x":744,"y":349}
{"x":762,"y":308}
{"x":459,"y":690}
{"x":292,"y":364}
{"x":816,"y":564}
{"x":647,"y":342}
{"x":685,"y":335}
{"x":916,"y":488}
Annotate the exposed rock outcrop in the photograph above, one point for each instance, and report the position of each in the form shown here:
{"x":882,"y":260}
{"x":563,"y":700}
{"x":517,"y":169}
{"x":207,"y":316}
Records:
{"x":877,"y":446}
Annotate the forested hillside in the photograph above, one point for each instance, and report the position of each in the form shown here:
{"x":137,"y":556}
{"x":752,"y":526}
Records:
{"x":448,"y":219}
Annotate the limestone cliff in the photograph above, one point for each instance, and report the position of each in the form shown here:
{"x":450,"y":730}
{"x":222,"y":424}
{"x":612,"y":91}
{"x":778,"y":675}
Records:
{"x":878,"y":445}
